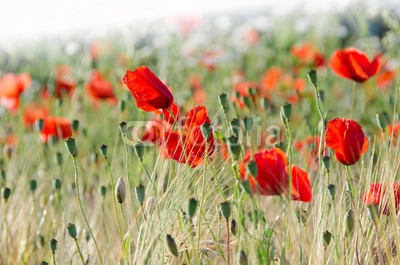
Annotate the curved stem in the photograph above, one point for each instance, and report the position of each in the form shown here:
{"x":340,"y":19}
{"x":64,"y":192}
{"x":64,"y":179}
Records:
{"x":79,"y":251}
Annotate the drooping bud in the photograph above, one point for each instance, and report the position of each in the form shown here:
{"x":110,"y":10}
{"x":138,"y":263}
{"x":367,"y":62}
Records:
{"x":312,"y":75}
{"x":223,"y":100}
{"x":226,"y":209}
{"x":139,"y":150}
{"x":382,"y":120}
{"x":172,"y":246}
{"x":233,"y":227}
{"x":103,"y":150}
{"x":71,"y":146}
{"x":246,"y":186}
{"x":120,"y":190}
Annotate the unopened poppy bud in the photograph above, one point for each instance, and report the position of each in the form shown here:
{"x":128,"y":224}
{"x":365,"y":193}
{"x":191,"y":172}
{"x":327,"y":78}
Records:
{"x":349,"y":223}
{"x":223,"y":100}
{"x":332,"y":190}
{"x":103,"y":190}
{"x":120,"y":190}
{"x":5,"y":193}
{"x":327,"y":236}
{"x":247,"y":102}
{"x":192,"y":207}
{"x":121,"y":105}
{"x":235,"y":127}
{"x":71,"y":146}
{"x":327,"y":162}
{"x":247,"y":123}
{"x":205,"y":130}
{"x":234,"y":147}
{"x":71,"y":228}
{"x":246,"y":186}
{"x":58,"y":158}
{"x":172,"y":246}
{"x":252,"y":168}
{"x":286,"y":112}
{"x":243,"y":258}
{"x":226,"y":209}
{"x":44,"y":263}
{"x":312,"y":75}
{"x":75,"y":125}
{"x":39,"y":124}
{"x":140,"y":193}
{"x":373,"y":212}
{"x":382,"y":120}
{"x":233,"y":227}
{"x":122,"y":127}
{"x":103,"y":150}
{"x":53,"y":245}
{"x":32,"y":185}
{"x":40,"y":241}
{"x":139,"y":150}
{"x":56,"y":184}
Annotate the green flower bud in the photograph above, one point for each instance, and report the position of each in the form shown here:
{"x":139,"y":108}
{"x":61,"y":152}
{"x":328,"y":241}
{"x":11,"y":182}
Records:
{"x":205,"y":130}
{"x":71,"y":146}
{"x":58,"y":158}
{"x":233,"y":227}
{"x":327,"y":162}
{"x":327,"y":236}
{"x":235,"y":127}
{"x":103,"y":191}
{"x":247,"y":123}
{"x":32,"y":185}
{"x":103,"y":150}
{"x":332,"y":190}
{"x":192,"y":207}
{"x":286,"y":112}
{"x":5,"y":192}
{"x":40,"y":241}
{"x":53,"y":245}
{"x":120,"y":190}
{"x":140,"y":193}
{"x":312,"y":75}
{"x":122,"y":127}
{"x":223,"y":100}
{"x":139,"y":150}
{"x":234,"y":147}
{"x":382,"y":120}
{"x":56,"y":184}
{"x":75,"y":125}
{"x":121,"y":105}
{"x":243,"y":258}
{"x":252,"y":168}
{"x":226,"y":209}
{"x":172,"y":246}
{"x":71,"y":228}
{"x":246,"y":186}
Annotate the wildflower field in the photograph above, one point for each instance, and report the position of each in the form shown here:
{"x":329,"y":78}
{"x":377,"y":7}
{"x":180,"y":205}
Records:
{"x":204,"y":141}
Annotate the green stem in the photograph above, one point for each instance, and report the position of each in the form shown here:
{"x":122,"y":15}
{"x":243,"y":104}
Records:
{"x":79,"y":251}
{"x":82,"y":211}
{"x":54,"y":258}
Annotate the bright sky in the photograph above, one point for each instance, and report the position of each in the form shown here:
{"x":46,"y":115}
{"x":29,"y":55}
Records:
{"x":35,"y":17}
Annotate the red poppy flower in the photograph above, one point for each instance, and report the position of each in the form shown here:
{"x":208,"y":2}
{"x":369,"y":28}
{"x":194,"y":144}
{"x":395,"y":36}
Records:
{"x":307,"y":55}
{"x":176,"y":112}
{"x":56,"y":126}
{"x":347,"y":139}
{"x":99,"y":89}
{"x":309,"y":148}
{"x":273,"y":178}
{"x":354,"y":64}
{"x":252,"y":36}
{"x":154,"y":131}
{"x":34,"y":112}
{"x":11,"y":87}
{"x":63,"y":82}
{"x":195,"y":146}
{"x":149,"y":92}
{"x":385,"y":76}
{"x":377,"y":194}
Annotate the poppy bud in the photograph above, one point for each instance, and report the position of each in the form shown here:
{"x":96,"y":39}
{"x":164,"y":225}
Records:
{"x":122,"y":127}
{"x":252,"y":168}
{"x":121,"y":105}
{"x":226,"y":209}
{"x":327,"y":162}
{"x":246,"y":186}
{"x":140,"y":193}
{"x":234,"y":147}
{"x":53,"y":245}
{"x":39,"y":124}
{"x":205,"y":130}
{"x":5,"y":193}
{"x":72,"y":230}
{"x":71,"y":146}
{"x":172,"y":246}
{"x":75,"y":125}
{"x":56,"y":184}
{"x":192,"y":207}
{"x":382,"y":120}
{"x":373,"y":212}
{"x":243,"y":258}
{"x":58,"y":158}
{"x":139,"y":150}
{"x":103,"y":190}
{"x":223,"y":100}
{"x":349,"y":223}
{"x":312,"y":75}
{"x":235,"y":127}
{"x":327,"y":236}
{"x":233,"y":227}
{"x":44,"y":263}
{"x":120,"y":190}
{"x":40,"y":241}
{"x":286,"y":112}
{"x":332,"y":190}
{"x":247,"y":102}
{"x":32,"y":185}
{"x":103,"y":149}
{"x":247,"y":123}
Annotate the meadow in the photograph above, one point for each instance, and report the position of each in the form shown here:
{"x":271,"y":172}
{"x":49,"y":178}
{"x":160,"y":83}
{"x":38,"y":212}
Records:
{"x":254,"y":140}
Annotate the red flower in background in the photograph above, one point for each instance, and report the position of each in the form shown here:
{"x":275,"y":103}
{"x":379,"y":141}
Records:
{"x":273,"y":178}
{"x":195,"y":146}
{"x":99,"y":89}
{"x":377,"y":194}
{"x":11,"y":87}
{"x":64,"y":83}
{"x":385,"y":76}
{"x":347,"y":139}
{"x":56,"y":126}
{"x":307,"y":55}
{"x":149,"y":92}
{"x":354,"y":64}
{"x":309,"y":148}
{"x":252,"y":36}
{"x":33,"y":112}
{"x":176,"y":113}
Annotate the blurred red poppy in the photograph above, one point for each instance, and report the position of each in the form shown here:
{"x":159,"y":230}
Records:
{"x":11,"y":87}
{"x":309,"y":149}
{"x":377,"y":194}
{"x":301,"y":188}
{"x":175,"y":110}
{"x":64,"y":83}
{"x":99,"y":89}
{"x":196,"y":148}
{"x":33,"y":112}
{"x":354,"y":64}
{"x":347,"y":139}
{"x":385,"y":76}
{"x":56,"y":126}
{"x":307,"y":55}
{"x":154,"y":131}
{"x":149,"y":92}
